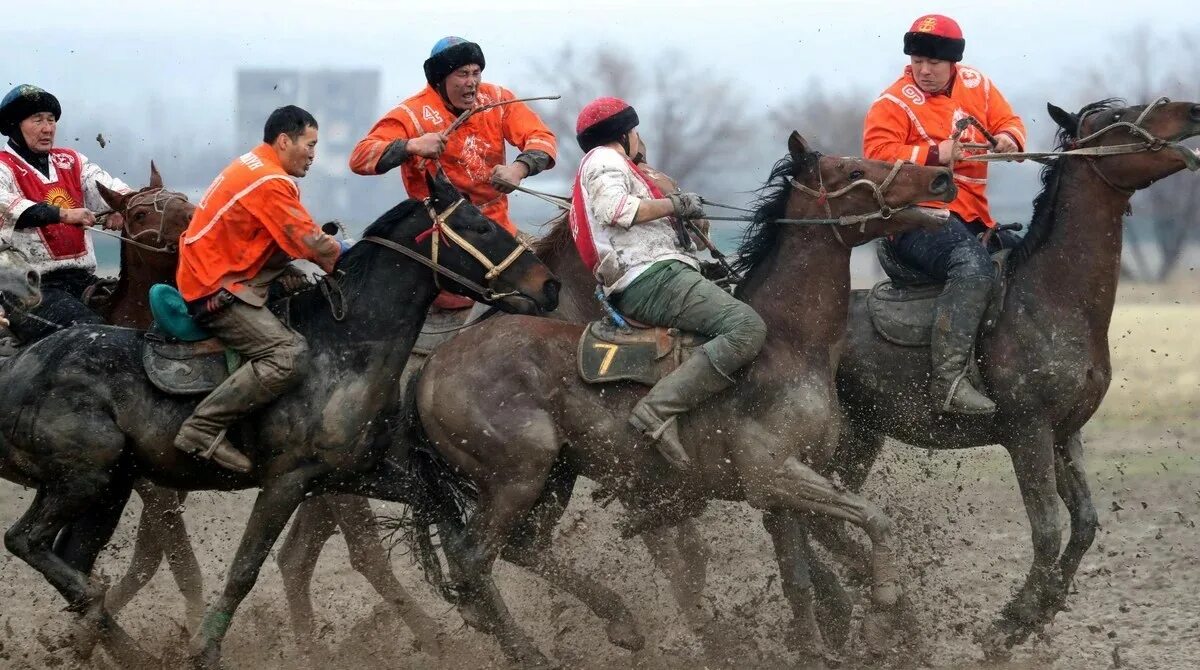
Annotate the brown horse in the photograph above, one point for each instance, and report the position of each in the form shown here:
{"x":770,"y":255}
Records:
{"x":521,"y":428}
{"x":674,"y":550}
{"x":1046,"y":362}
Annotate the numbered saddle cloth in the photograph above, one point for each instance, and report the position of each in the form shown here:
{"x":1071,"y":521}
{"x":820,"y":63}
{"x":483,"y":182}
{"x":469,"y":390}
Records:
{"x":644,"y":355}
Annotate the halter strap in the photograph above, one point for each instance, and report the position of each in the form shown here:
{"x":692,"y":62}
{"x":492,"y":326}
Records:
{"x":823,"y":196}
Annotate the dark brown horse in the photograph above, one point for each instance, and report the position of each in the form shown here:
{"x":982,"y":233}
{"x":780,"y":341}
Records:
{"x":503,"y":404}
{"x":1046,"y":362}
{"x":110,"y":425}
{"x":674,"y":550}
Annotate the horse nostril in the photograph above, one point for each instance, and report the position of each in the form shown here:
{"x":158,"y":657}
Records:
{"x":33,"y":278}
{"x":941,"y":184}
{"x":1196,"y":113}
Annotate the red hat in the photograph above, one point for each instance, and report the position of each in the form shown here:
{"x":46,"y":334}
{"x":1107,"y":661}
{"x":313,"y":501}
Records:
{"x":604,"y":120}
{"x":935,"y":36}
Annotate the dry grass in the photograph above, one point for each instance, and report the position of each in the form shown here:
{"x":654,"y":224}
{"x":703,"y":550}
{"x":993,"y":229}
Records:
{"x":1155,"y":355}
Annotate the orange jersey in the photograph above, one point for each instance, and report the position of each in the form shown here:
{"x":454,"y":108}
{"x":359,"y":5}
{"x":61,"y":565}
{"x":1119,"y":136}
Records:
{"x":250,"y":216}
{"x":907,"y":123}
{"x":473,"y":149}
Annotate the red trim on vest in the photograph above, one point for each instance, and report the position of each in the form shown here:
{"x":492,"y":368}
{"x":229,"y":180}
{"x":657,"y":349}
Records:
{"x":581,"y":228}
{"x":63,"y":241}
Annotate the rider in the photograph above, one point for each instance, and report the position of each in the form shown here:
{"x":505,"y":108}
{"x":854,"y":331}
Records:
{"x":914,"y":120}
{"x":412,"y":137}
{"x":629,"y":233}
{"x":247,"y":227}
{"x":48,"y":195}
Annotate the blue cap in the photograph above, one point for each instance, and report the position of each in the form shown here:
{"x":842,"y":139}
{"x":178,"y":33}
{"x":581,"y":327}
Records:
{"x":445,"y":43}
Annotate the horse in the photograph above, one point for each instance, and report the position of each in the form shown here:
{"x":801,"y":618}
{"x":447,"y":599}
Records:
{"x":1046,"y":360}
{"x":20,"y":283}
{"x":104,"y":425}
{"x":515,"y":431}
{"x":317,"y":519}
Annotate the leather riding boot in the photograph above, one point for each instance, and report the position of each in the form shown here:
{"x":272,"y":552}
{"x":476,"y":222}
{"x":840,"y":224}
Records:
{"x":203,"y":434}
{"x":957,"y":314}
{"x":656,"y":413}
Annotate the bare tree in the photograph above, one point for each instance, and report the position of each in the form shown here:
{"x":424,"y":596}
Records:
{"x":1144,"y":67}
{"x":694,"y":123}
{"x":833,"y":122}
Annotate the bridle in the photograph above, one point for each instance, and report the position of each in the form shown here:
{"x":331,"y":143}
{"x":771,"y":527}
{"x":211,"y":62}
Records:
{"x":1150,"y":142}
{"x":160,"y":199}
{"x":434,"y":233}
{"x":823,"y":196}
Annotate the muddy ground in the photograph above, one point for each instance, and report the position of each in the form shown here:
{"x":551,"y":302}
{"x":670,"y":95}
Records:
{"x":964,"y":528}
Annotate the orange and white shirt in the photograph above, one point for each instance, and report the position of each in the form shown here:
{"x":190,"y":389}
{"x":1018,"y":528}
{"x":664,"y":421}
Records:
{"x":249,"y":223}
{"x":471,"y":152}
{"x":906,"y":123}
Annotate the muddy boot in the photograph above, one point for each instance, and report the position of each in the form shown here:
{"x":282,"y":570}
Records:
{"x":203,"y":434}
{"x":958,"y":311}
{"x":655,"y":414}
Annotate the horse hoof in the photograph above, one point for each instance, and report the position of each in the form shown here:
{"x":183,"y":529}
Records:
{"x":996,"y":643}
{"x":527,"y":656}
{"x":884,"y":595}
{"x":625,"y":635}
{"x":207,"y":657}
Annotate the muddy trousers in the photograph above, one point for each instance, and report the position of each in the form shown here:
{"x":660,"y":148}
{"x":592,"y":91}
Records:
{"x":277,"y":359}
{"x":677,"y":296}
{"x":952,"y":254}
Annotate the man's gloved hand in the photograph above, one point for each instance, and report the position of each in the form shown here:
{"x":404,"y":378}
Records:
{"x":713,"y":271}
{"x":687,"y":205}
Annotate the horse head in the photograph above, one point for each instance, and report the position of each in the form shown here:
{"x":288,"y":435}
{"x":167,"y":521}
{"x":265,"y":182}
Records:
{"x":154,"y":215}
{"x":1135,"y":146}
{"x":19,"y":282}
{"x":473,"y":255}
{"x":878,"y":196}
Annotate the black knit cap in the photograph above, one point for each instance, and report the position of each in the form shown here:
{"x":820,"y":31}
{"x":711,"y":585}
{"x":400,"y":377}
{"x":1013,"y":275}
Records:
{"x":23,"y":102}
{"x":604,"y":120}
{"x":449,"y":54}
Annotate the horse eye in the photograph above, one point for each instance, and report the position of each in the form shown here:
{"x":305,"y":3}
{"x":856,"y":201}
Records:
{"x":856,"y":175}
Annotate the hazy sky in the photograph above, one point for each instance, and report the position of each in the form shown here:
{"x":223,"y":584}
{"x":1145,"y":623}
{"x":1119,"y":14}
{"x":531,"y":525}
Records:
{"x":113,"y":53}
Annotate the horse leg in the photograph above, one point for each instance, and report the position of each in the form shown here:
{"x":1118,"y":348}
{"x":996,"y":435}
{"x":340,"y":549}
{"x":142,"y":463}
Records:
{"x":1033,"y":461}
{"x":368,"y":557}
{"x":856,"y":453}
{"x":32,"y":540}
{"x":794,"y":486}
{"x":529,"y":547}
{"x":161,"y":532}
{"x":274,"y":505}
{"x":792,"y":553}
{"x":511,"y":491}
{"x":1073,"y":489}
{"x":297,"y":560}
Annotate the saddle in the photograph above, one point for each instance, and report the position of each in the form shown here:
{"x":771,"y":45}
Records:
{"x":902,"y":307}
{"x":178,"y":355}
{"x":642,"y":354}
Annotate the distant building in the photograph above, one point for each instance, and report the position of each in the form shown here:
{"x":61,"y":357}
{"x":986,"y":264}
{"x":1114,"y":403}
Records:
{"x":346,"y":105}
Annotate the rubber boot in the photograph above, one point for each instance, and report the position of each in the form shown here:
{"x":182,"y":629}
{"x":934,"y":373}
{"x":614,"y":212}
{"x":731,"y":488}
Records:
{"x":203,"y":434}
{"x":957,"y":314}
{"x":655,"y":414}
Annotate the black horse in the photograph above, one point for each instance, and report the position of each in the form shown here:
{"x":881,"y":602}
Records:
{"x":80,"y":421}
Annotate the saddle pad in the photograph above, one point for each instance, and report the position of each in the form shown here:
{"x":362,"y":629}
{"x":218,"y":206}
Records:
{"x":642,"y":355}
{"x":903,"y":314}
{"x":187,"y":368}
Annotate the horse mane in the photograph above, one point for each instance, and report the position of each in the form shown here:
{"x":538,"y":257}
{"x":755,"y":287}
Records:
{"x":761,"y":234}
{"x":1041,"y":226}
{"x":556,"y":240}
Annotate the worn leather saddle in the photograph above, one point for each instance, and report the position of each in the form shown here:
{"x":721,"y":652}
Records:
{"x":608,"y":353}
{"x":902,"y":307}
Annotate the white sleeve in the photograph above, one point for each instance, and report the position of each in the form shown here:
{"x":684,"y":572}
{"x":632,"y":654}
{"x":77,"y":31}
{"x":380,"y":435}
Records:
{"x":94,"y":174}
{"x":607,"y":184}
{"x":13,"y":204}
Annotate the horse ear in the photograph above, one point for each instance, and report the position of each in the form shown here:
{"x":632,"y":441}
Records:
{"x":1065,"y":120}
{"x":113,"y":199}
{"x":155,"y":177}
{"x":798,"y":146}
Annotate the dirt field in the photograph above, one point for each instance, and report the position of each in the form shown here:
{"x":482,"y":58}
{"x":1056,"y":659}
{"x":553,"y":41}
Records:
{"x":959,"y":513}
